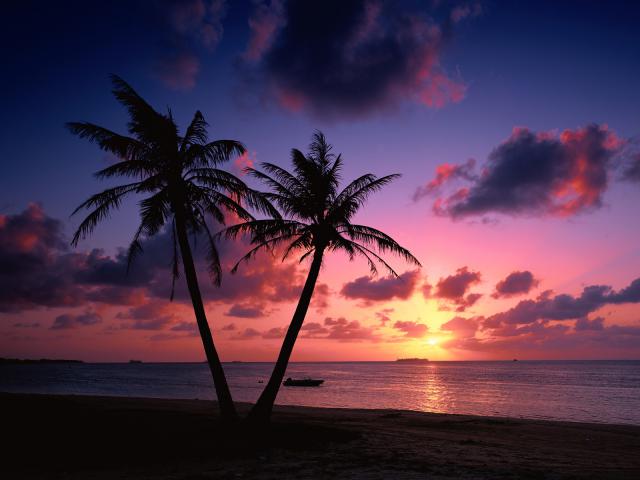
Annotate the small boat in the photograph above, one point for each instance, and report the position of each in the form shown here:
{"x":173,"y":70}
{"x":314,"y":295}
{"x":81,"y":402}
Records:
{"x":303,"y":382}
{"x":135,"y":361}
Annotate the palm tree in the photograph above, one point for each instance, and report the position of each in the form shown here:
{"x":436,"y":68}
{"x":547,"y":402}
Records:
{"x":318,"y":219}
{"x":182,"y":184}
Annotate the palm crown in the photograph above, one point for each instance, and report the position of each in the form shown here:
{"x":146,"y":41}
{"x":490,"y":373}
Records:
{"x":178,"y":173}
{"x":318,"y":214}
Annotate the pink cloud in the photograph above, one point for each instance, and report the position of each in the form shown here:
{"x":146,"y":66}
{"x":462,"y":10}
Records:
{"x":264,"y":24}
{"x":411,"y":329}
{"x":445,"y":172}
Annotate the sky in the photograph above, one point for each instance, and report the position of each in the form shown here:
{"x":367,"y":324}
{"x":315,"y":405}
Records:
{"x":515,"y":127}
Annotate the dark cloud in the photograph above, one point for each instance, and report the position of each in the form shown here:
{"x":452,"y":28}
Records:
{"x":191,"y":328}
{"x":516,"y":283}
{"x":26,"y":325}
{"x":339,"y":329}
{"x":34,"y":262}
{"x":336,"y":58}
{"x":274,"y":333}
{"x":69,"y":321}
{"x":586,"y":324}
{"x":564,"y":306}
{"x":411,"y":329}
{"x":38,"y":270}
{"x":245,"y":311}
{"x":313,"y":330}
{"x":229,"y":327}
{"x":544,"y":338}
{"x":149,"y":316}
{"x":631,"y":171}
{"x":539,"y":174}
{"x":541,"y":327}
{"x":454,"y":289}
{"x":383,"y":289}
{"x":246,"y":334}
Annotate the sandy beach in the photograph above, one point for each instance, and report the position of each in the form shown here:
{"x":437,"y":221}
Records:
{"x":82,"y":437}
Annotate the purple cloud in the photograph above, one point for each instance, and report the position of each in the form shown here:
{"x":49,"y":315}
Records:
{"x":383,"y":289}
{"x":453,"y":289}
{"x":69,"y":321}
{"x":516,"y":283}
{"x":538,"y":174}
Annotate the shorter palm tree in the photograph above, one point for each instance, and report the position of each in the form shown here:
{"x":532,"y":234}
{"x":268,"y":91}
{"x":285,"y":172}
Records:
{"x":317,"y":219}
{"x":183,"y":184}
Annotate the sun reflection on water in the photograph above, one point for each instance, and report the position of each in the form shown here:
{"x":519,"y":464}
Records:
{"x":434,"y":395}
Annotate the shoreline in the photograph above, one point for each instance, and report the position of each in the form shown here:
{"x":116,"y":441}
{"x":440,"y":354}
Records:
{"x":77,"y":436}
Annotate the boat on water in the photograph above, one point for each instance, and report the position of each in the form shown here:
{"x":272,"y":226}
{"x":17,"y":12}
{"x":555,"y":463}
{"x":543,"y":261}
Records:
{"x":302,"y":382}
{"x":135,"y":361}
{"x":412,"y":360}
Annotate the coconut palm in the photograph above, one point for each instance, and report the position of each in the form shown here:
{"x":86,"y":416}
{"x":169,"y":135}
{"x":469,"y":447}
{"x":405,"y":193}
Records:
{"x":178,"y":176}
{"x":317,"y":218}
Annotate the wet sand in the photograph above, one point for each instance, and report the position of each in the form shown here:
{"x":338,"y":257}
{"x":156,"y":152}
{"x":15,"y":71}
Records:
{"x":81,"y":437}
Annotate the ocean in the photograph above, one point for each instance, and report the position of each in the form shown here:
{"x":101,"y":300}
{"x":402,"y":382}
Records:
{"x":581,"y":391}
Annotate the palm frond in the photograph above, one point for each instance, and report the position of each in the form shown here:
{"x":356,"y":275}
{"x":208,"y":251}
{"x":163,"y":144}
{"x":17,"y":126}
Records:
{"x":213,"y":153}
{"x":380,"y":240}
{"x":121,"y":146}
{"x":145,"y":123}
{"x":196,"y":132}
{"x":354,"y":196}
{"x":104,"y":202}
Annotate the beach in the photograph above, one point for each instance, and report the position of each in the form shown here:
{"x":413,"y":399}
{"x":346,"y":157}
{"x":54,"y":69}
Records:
{"x":91,"y":437}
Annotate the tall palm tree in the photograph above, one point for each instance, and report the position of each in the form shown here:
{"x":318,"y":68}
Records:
{"x":318,"y":219}
{"x":182,"y":184}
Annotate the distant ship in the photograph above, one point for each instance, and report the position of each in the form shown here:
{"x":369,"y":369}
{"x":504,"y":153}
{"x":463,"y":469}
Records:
{"x":412,"y":360}
{"x":135,"y":361}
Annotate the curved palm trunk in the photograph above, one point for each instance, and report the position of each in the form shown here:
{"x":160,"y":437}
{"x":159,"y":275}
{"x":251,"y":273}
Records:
{"x":261,"y":411}
{"x":225,"y":402}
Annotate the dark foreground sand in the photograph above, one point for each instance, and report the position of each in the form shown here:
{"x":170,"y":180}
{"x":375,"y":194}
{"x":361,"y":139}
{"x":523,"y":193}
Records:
{"x":77,"y":437}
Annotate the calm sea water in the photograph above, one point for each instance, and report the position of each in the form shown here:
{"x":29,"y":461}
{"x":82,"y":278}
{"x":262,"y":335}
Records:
{"x":602,"y":391}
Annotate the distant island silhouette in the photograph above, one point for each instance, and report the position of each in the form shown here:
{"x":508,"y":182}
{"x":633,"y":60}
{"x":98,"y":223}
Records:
{"x":13,"y":361}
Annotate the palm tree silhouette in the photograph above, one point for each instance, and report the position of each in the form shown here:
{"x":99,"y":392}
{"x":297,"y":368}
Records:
{"x":318,"y":219}
{"x":183,"y":184}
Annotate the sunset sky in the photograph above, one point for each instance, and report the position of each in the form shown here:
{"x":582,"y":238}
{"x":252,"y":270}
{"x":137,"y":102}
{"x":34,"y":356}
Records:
{"x":515,"y":126}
